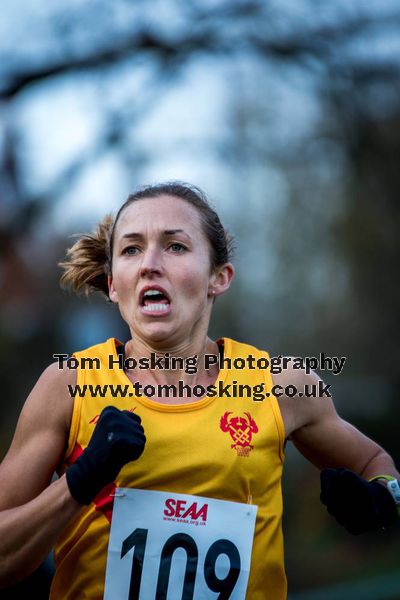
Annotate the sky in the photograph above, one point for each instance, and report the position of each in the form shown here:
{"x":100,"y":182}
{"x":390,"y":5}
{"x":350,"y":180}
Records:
{"x":62,"y":121}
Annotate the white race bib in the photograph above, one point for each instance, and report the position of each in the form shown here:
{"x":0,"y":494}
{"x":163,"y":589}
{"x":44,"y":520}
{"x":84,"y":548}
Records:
{"x":167,"y":546}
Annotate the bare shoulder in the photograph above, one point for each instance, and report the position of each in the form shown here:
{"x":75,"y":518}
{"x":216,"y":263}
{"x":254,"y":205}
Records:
{"x":314,"y":426}
{"x":40,"y":438}
{"x":49,"y":405}
{"x":302,"y":395}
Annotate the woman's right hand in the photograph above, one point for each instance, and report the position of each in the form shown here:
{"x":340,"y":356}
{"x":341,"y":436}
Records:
{"x":117,"y":439}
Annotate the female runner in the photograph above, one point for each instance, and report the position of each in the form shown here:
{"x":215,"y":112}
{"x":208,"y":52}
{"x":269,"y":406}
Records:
{"x":184,"y":453}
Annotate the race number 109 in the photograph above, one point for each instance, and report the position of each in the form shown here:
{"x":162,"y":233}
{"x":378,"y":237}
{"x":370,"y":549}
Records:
{"x":167,"y":546}
{"x":137,"y":540}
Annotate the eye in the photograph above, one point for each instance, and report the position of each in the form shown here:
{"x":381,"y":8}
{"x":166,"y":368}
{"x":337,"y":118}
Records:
{"x":130,"y":250}
{"x":178,"y":247}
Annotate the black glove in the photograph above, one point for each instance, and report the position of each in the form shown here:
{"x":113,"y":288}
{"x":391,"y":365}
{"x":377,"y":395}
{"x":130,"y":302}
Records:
{"x":117,"y":439}
{"x":357,"y":504}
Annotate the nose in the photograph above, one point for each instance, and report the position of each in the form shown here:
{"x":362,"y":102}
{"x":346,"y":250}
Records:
{"x":151,"y":262}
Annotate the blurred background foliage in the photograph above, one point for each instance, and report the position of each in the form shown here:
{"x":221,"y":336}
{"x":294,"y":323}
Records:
{"x":288,"y":115}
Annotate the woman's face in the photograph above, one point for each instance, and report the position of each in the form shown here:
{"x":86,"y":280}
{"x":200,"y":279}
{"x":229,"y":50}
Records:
{"x":159,"y":245}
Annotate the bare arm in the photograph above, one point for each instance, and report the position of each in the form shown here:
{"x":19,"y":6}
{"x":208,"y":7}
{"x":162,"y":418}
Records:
{"x":323,"y":437}
{"x":34,"y":513}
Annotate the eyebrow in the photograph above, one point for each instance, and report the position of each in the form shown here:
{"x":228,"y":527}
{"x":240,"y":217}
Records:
{"x":135,"y":235}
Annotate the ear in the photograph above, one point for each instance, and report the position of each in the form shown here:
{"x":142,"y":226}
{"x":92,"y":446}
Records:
{"x":112,"y":293}
{"x":221,"y":279}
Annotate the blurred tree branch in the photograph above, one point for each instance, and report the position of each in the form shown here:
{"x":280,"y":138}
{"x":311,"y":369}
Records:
{"x":210,"y":32}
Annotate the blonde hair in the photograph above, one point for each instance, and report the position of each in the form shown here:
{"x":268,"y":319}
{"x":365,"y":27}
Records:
{"x":87,"y":262}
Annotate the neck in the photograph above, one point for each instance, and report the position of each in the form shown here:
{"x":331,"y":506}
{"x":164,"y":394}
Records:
{"x":185,"y":363}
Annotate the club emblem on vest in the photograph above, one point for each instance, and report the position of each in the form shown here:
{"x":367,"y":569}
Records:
{"x":241,"y":430}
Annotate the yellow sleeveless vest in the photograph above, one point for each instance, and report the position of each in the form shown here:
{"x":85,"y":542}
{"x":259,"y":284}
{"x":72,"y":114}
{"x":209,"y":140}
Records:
{"x":200,"y":448}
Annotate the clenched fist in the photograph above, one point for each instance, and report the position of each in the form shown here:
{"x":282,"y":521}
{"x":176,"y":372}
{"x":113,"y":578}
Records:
{"x":117,"y":439}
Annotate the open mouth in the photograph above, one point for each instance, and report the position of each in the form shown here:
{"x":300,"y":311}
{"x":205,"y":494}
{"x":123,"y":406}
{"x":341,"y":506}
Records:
{"x":155,"y":301}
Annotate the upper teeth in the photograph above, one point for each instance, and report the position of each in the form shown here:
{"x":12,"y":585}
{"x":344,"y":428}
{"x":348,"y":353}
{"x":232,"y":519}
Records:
{"x":151,"y":293}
